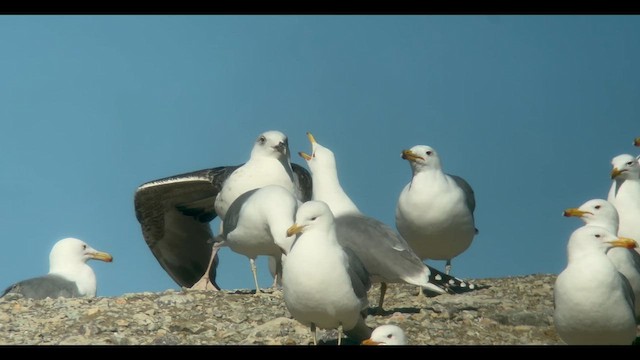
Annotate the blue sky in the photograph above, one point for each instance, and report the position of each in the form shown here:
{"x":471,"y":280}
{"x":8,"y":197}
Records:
{"x":529,"y":109}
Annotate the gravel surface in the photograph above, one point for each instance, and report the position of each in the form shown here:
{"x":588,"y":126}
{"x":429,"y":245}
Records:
{"x":508,"y":311}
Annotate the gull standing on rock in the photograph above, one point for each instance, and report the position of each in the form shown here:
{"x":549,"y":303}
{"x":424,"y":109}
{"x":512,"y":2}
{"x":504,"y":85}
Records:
{"x":599,"y":212}
{"x":323,"y":284}
{"x":387,"y":256}
{"x":593,"y":302}
{"x":256,"y":223}
{"x":624,"y":194}
{"x":175,"y":212}
{"x":69,"y":274}
{"x":435,"y":210}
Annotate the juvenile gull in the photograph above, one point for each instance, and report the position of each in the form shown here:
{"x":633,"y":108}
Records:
{"x":593,"y":302}
{"x":387,"y":335}
{"x":599,"y":212}
{"x":386,"y":256}
{"x":435,"y":210}
{"x":624,"y":194}
{"x":256,"y":224}
{"x":175,"y":212}
{"x":69,"y":275}
{"x":323,"y":285}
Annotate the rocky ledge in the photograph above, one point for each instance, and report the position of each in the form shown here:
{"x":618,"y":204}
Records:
{"x":506,"y":311}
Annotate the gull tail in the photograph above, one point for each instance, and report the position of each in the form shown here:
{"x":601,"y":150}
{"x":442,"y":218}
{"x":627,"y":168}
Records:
{"x":448,"y":284}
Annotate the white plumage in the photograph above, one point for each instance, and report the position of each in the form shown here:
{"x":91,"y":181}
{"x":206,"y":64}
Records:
{"x":434,"y":212}
{"x":594,"y":303}
{"x":624,"y":194}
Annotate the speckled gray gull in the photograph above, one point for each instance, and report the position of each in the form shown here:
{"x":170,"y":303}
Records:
{"x":388,"y":334}
{"x":386,"y":255}
{"x":624,"y":194}
{"x":323,"y":283}
{"x":174,"y":212}
{"x":435,"y":210}
{"x":256,"y":224}
{"x":593,"y":302}
{"x":69,"y":274}
{"x":600,"y":212}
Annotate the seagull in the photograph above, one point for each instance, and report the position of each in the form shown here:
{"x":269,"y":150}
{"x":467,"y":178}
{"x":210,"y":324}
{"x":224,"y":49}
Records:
{"x":256,"y":224}
{"x":593,"y":302}
{"x":386,"y":335}
{"x":323,"y":283}
{"x":69,"y":275}
{"x":386,"y":255}
{"x":434,"y":212}
{"x":624,"y":194}
{"x":174,"y":212}
{"x":600,"y":212}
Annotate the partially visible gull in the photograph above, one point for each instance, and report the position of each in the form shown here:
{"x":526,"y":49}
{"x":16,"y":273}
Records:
{"x":636,"y":141}
{"x":624,"y":194}
{"x":256,"y":223}
{"x":602,"y":213}
{"x":175,"y":212}
{"x":69,"y":275}
{"x":435,"y":210}
{"x":386,"y":256}
{"x":386,"y":335}
{"x":594,"y":303}
{"x":323,"y":285}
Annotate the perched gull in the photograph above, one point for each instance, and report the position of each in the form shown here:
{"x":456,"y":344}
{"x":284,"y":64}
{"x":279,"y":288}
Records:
{"x":593,"y":301}
{"x":175,"y":212}
{"x":386,"y":335}
{"x":602,"y":213}
{"x":435,"y":210}
{"x":386,"y":255}
{"x":256,"y":224}
{"x":323,"y":285}
{"x":69,"y":275}
{"x":624,"y":194}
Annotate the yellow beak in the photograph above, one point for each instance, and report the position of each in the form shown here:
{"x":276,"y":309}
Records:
{"x":103,"y":256}
{"x":294,"y":229}
{"x":369,"y":342}
{"x":311,"y":138}
{"x":575,"y":212}
{"x":304,"y":155}
{"x":409,"y":155}
{"x":615,"y":172}
{"x":624,"y":242}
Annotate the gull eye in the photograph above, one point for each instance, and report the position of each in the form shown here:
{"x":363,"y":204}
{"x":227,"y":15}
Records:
{"x":389,"y":336}
{"x":630,"y":163}
{"x":429,"y":153}
{"x":314,"y":218}
{"x":597,"y":206}
{"x":598,"y":235}
{"x":84,"y":247}
{"x":262,"y":139}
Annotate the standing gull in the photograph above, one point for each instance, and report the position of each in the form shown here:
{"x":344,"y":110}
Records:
{"x":69,"y":275}
{"x":435,"y":210}
{"x":323,"y":285}
{"x":175,"y":212}
{"x":599,"y":212}
{"x":593,"y":301}
{"x":624,"y":194}
{"x":256,"y":224}
{"x":386,"y":335}
{"x":387,"y":256}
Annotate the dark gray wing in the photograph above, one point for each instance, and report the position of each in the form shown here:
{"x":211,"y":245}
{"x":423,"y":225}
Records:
{"x":382,"y":251}
{"x":360,"y":279}
{"x":302,"y":179}
{"x":470,"y":196}
{"x":233,"y":213}
{"x":174,"y":214}
{"x":52,"y":286}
